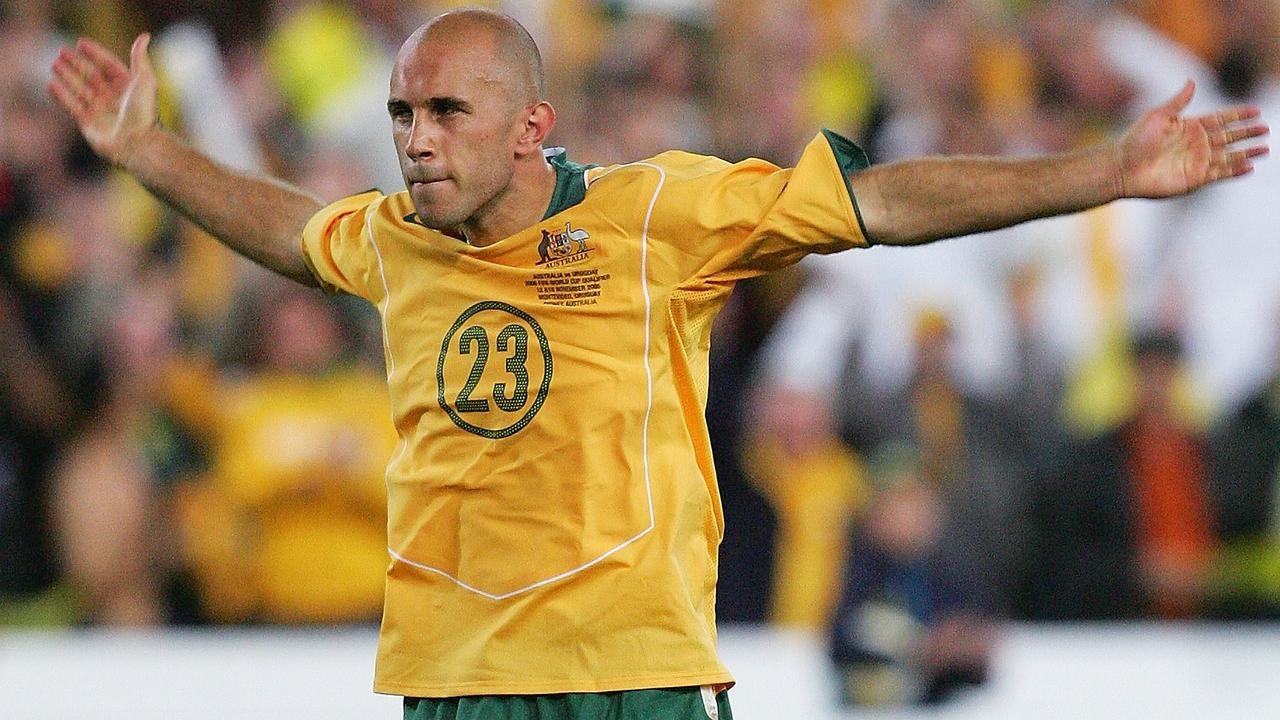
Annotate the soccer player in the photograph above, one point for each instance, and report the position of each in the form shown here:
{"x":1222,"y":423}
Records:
{"x":553,"y":511}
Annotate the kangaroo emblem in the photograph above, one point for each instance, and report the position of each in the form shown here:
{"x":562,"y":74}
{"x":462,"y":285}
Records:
{"x":561,"y":244}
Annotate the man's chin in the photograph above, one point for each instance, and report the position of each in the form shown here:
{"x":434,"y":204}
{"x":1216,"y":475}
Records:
{"x":428,"y":209}
{"x":434,"y":218}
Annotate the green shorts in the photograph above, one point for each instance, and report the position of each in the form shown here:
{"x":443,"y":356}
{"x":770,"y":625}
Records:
{"x":692,"y":703}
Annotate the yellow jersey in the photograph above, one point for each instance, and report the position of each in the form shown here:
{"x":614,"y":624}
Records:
{"x":553,"y":516}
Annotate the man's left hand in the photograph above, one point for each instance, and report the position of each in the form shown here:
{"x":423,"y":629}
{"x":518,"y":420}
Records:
{"x":1165,"y":154}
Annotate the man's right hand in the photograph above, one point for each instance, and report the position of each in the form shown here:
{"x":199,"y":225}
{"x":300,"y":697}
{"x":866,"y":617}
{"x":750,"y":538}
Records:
{"x":114,"y":106}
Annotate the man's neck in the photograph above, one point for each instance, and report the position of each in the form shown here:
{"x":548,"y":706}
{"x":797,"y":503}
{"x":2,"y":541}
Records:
{"x":522,"y":205}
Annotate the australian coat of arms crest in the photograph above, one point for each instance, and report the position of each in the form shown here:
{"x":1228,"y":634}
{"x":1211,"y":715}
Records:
{"x":561,"y":244}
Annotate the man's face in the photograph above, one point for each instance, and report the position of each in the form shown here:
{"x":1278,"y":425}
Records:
{"x":455,"y":119}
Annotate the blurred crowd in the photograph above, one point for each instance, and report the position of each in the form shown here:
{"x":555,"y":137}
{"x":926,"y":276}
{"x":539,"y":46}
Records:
{"x":1077,"y":418}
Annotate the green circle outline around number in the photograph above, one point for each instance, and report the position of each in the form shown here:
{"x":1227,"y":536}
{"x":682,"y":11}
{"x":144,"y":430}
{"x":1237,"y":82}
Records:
{"x":518,"y":425}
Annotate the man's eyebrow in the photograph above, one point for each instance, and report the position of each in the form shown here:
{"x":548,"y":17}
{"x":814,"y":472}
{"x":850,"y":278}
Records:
{"x":447,"y":102}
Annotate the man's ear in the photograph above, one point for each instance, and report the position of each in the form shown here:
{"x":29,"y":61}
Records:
{"x":538,"y":121}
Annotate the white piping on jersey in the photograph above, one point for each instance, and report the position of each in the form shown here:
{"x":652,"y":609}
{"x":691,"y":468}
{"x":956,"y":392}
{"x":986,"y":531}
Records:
{"x":648,"y":322}
{"x":648,"y":372}
{"x":386,"y":339}
{"x":386,"y":291}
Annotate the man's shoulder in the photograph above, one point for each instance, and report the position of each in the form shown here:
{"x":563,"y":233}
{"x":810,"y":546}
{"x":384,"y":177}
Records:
{"x":386,"y":211}
{"x":671,"y":166}
{"x":372,"y":199}
{"x":682,"y":163}
{"x":376,"y":216}
{"x":397,"y":207}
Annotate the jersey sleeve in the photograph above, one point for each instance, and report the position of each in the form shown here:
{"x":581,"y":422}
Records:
{"x":336,"y":245}
{"x":730,"y":221}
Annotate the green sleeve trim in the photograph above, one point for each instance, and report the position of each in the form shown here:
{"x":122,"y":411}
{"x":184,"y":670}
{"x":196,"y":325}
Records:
{"x":851,"y":159}
{"x":571,"y":183}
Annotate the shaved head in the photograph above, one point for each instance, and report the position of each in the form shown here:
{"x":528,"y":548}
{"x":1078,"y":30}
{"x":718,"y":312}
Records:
{"x":468,"y":119}
{"x":512,"y":54}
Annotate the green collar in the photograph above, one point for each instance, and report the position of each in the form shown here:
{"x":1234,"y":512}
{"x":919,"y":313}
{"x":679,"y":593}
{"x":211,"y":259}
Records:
{"x":571,"y":181}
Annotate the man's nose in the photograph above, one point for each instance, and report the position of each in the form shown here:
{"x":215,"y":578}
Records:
{"x":422,"y":137}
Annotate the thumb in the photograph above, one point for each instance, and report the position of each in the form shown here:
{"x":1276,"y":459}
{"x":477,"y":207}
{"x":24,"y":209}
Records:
{"x":139,"y":61}
{"x":1179,"y":102}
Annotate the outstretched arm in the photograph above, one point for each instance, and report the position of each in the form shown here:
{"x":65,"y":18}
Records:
{"x":115,"y":108}
{"x":1163,"y":154}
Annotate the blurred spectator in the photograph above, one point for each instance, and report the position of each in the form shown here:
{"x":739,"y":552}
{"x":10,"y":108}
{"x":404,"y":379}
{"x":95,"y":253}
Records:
{"x":978,"y":452}
{"x":748,"y":555}
{"x":1124,"y":530}
{"x":1104,"y":271}
{"x":48,"y":367}
{"x":763,"y":52}
{"x":1166,"y":461}
{"x":332,"y":67}
{"x":647,"y":92}
{"x":816,"y":486}
{"x":1224,"y":246}
{"x":910,"y":627}
{"x":110,"y":514}
{"x":1193,"y":24}
{"x":953,"y":79}
{"x":1244,"y":464}
{"x":289,"y":522}
{"x":34,"y":407}
{"x":975,"y":455}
